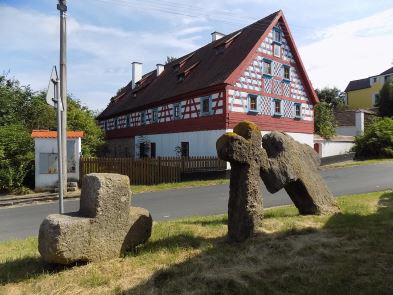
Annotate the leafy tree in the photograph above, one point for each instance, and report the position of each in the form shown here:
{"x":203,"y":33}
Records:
{"x":386,"y":100}
{"x":332,"y":96}
{"x":170,"y":59}
{"x":324,"y":120}
{"x":377,"y":140}
{"x":81,"y":118}
{"x":21,"y":111}
{"x":16,"y":156}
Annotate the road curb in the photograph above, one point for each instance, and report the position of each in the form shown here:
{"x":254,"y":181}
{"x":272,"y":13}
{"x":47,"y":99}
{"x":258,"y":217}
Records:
{"x":26,"y":199}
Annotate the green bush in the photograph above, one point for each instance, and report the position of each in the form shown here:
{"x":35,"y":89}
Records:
{"x":377,"y":140}
{"x":16,"y":156}
{"x":324,"y":120}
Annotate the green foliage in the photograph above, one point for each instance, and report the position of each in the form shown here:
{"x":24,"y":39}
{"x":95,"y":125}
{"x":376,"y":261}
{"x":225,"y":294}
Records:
{"x":81,"y":118}
{"x":324,"y":120}
{"x":16,"y":156}
{"x":377,"y":140}
{"x":170,"y":59}
{"x":21,"y":111}
{"x":386,"y":100}
{"x":334,"y":97}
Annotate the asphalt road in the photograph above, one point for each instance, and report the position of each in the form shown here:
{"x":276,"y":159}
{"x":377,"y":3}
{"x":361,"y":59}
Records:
{"x":16,"y":223}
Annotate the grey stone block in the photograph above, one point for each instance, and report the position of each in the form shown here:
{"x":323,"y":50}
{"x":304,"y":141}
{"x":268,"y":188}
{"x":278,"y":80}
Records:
{"x":104,"y":227}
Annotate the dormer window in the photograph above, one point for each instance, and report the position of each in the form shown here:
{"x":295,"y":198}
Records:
{"x":181,"y":77}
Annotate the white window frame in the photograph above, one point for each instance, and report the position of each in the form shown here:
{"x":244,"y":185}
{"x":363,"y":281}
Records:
{"x":374,"y":99}
{"x":289,"y":73}
{"x":203,"y":113}
{"x":276,"y":114}
{"x":154,"y":118}
{"x":143,"y":118}
{"x":267,"y":61}
{"x":277,"y":50}
{"x":256,"y":110}
{"x":177,"y":115}
{"x":300,"y":110}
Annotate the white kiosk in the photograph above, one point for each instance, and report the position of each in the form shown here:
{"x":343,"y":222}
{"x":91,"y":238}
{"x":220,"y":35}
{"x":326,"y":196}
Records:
{"x":46,"y":163}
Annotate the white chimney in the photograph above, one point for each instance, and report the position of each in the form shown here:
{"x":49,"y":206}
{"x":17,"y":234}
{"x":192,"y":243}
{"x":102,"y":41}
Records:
{"x":160,"y":69}
{"x":217,"y":35}
{"x":136,"y":73}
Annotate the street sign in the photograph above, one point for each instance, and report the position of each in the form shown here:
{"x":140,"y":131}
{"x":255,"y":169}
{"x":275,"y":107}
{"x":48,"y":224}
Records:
{"x":52,"y":93}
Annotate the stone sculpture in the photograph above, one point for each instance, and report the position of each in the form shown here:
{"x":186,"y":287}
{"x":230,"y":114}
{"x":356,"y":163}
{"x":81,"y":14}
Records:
{"x":105,"y":226}
{"x":242,"y":148}
{"x":282,"y":162}
{"x":294,"y":166}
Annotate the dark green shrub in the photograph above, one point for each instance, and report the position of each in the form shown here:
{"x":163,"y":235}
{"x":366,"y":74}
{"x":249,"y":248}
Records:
{"x":377,"y":140}
{"x":16,"y":156}
{"x":324,"y":120}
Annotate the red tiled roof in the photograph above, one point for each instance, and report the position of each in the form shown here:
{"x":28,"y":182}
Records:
{"x":207,"y":67}
{"x":53,"y":134}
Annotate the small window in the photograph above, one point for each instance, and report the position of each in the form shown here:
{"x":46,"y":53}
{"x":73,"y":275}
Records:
{"x":298,"y":110}
{"x":128,"y":122}
{"x":287,"y":73}
{"x":181,"y":77}
{"x":277,"y":35}
{"x":155,"y":115}
{"x":116,"y":123}
{"x":253,"y":103}
{"x":176,"y":111}
{"x":277,"y":107}
{"x":205,"y":105}
{"x":143,"y":118}
{"x":142,"y":150}
{"x":185,"y":149}
{"x":277,"y":50}
{"x":375,"y":79}
{"x":376,"y":99}
{"x":152,"y":150}
{"x":267,"y":67}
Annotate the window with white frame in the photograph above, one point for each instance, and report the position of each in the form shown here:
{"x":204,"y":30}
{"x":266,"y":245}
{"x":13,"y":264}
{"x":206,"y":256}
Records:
{"x":277,"y":50}
{"x":287,"y":73}
{"x":155,"y":115}
{"x":267,"y":67}
{"x":143,"y":118}
{"x":376,"y":99}
{"x":277,"y":35}
{"x":176,"y":111}
{"x":298,"y":110}
{"x":205,"y":105}
{"x":253,"y":103}
{"x":277,"y":107}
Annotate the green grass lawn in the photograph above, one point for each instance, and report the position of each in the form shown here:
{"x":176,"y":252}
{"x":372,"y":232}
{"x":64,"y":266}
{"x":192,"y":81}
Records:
{"x":352,"y":163}
{"x":346,"y":253}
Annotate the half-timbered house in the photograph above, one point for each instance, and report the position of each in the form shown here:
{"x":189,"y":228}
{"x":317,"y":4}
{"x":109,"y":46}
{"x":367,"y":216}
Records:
{"x":182,"y":107}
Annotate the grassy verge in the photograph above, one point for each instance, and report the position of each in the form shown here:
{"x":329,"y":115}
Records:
{"x":347,"y":253}
{"x":352,"y":163}
{"x":176,"y":185}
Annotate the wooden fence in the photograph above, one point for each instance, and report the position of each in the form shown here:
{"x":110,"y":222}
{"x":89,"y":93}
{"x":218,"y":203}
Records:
{"x":151,"y":171}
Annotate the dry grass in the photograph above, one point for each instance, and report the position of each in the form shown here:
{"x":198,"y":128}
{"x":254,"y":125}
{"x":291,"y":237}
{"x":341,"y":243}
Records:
{"x":347,"y":253}
{"x":176,"y":185}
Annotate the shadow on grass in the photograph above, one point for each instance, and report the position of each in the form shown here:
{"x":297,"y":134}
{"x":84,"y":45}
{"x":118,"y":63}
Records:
{"x":351,"y":254}
{"x":29,"y":267}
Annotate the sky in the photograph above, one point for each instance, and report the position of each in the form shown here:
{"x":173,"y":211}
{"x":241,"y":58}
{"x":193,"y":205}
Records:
{"x":338,"y":40}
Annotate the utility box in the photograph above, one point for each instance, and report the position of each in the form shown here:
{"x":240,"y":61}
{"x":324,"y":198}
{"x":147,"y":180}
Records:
{"x":46,"y":157}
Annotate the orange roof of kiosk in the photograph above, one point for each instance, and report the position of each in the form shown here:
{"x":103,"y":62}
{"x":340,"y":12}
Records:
{"x":53,"y":134}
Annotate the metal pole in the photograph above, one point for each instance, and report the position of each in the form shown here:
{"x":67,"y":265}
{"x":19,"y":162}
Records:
{"x":62,"y":7}
{"x":59,"y":147}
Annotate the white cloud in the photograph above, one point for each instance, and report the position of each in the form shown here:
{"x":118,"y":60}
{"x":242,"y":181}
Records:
{"x":99,"y":57}
{"x":349,"y":51}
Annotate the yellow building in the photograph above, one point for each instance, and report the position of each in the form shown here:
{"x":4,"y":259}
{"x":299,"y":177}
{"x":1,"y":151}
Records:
{"x":364,"y":93}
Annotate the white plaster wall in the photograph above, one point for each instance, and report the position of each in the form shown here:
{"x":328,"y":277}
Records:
{"x":347,"y":130}
{"x":49,"y":145}
{"x":333,"y":148}
{"x":202,"y":143}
